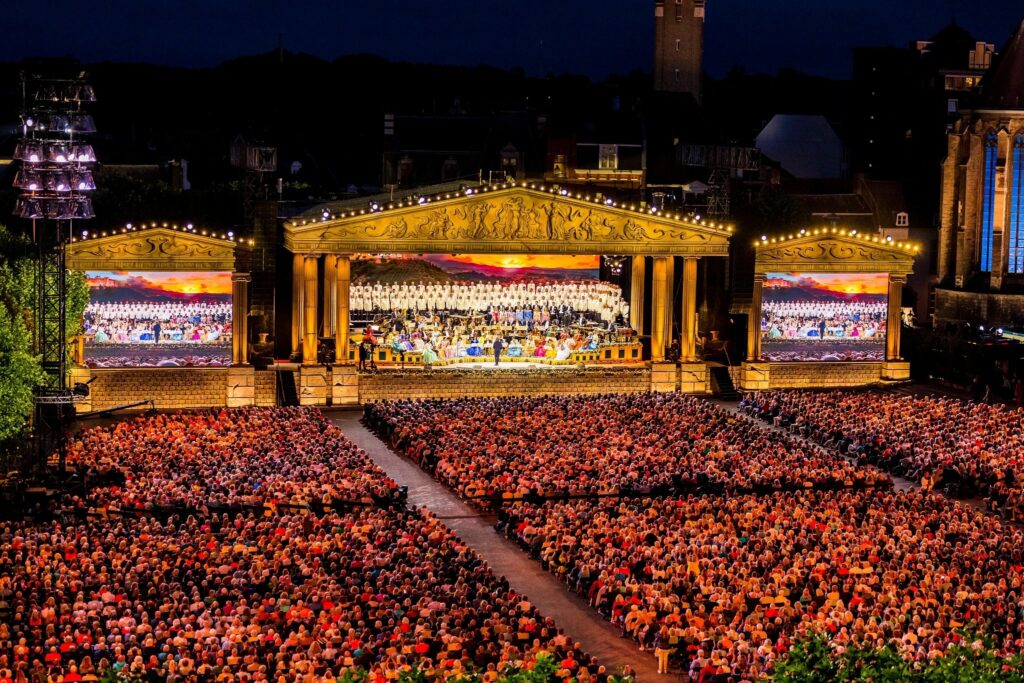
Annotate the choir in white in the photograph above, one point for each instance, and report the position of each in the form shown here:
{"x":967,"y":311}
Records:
{"x":153,"y":323}
{"x":519,"y":302}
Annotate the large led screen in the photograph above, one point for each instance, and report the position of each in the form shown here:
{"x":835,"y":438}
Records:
{"x":824,"y":317}
{"x":477,"y":288}
{"x":158,"y":319}
{"x":469,"y":268}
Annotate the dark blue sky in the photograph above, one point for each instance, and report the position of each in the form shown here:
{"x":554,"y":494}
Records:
{"x":596,"y":37}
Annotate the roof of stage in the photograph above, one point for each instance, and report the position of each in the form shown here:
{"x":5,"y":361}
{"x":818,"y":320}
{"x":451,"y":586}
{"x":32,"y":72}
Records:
{"x":834,"y":250}
{"x":508,"y":217}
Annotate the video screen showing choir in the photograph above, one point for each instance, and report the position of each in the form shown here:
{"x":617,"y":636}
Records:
{"x":457,"y":306}
{"x":158,"y":319}
{"x":824,"y":317}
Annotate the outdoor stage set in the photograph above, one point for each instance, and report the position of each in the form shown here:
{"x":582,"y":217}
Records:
{"x":831,"y":255}
{"x":505,"y":218}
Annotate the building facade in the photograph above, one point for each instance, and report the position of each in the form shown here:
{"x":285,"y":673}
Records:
{"x":981,"y":237}
{"x":679,"y":46}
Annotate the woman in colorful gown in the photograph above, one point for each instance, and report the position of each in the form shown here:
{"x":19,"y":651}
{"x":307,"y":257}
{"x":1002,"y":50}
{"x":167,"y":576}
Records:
{"x":429,"y":355}
{"x":541,"y":348}
{"x":564,"y":350}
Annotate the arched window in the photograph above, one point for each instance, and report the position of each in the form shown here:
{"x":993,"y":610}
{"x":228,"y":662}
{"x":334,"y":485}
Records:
{"x":988,"y":195}
{"x":1016,"y":230}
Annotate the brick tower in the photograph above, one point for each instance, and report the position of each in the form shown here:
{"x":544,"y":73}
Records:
{"x":679,"y":46}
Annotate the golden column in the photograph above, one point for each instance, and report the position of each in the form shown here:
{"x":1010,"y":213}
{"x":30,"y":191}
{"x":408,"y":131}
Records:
{"x":659,"y":296}
{"x":754,"y":321}
{"x":297,"y":267}
{"x":330,"y":277}
{"x":240,"y":318}
{"x":688,"y":315}
{"x":637,"y":294}
{"x":309,"y":300}
{"x":342,"y":274}
{"x":895,"y":321}
{"x":670,"y":282}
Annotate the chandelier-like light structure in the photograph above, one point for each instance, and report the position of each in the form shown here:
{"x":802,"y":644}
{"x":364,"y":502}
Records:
{"x":55,"y":172}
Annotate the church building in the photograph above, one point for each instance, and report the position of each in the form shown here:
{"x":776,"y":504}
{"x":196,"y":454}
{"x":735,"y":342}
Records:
{"x":981,"y":237}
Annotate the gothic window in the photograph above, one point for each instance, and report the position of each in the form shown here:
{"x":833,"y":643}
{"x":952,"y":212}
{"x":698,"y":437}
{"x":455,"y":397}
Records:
{"x":1016,"y":260}
{"x":988,"y":198}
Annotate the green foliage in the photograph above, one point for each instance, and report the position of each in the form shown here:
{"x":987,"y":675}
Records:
{"x":812,"y":660}
{"x":20,"y":371}
{"x":354,"y":676}
{"x":76,"y":298}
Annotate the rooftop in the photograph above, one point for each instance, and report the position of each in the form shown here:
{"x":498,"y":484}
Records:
{"x":1004,"y":85}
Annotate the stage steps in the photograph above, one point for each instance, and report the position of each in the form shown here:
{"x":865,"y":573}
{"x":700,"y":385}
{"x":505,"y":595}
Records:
{"x":721,"y":383}
{"x":287,"y":393}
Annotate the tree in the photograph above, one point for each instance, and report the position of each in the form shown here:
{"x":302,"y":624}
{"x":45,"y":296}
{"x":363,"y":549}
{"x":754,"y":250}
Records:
{"x":20,"y":370}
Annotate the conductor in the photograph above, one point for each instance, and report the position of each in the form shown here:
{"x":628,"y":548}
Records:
{"x":499,"y":344}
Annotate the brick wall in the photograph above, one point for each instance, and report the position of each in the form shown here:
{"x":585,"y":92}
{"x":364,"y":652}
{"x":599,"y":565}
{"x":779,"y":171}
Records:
{"x":266,"y":388}
{"x":953,"y":305}
{"x":167,"y":387}
{"x":454,"y":383}
{"x":793,"y":375}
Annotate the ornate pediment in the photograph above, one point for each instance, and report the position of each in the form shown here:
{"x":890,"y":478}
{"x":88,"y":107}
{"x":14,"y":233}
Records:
{"x":152,"y":249}
{"x":507,"y":219}
{"x":834,"y":253}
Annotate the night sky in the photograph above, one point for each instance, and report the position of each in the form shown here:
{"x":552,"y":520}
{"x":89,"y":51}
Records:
{"x":594,"y":37}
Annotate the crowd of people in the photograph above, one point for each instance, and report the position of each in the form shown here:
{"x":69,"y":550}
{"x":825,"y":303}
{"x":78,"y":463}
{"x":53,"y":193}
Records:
{"x":505,"y":303}
{"x":260,"y":457}
{"x":586,"y":445}
{"x":722,"y":585}
{"x":966,"y":447}
{"x":153,"y":323}
{"x":208,"y":560}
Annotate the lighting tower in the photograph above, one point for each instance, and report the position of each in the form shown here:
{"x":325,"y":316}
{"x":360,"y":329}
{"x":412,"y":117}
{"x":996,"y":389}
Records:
{"x":54,"y":179}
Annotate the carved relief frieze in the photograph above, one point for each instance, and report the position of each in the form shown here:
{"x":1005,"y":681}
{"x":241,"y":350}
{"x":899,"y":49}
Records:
{"x":505,"y":222}
{"x":156,"y":249}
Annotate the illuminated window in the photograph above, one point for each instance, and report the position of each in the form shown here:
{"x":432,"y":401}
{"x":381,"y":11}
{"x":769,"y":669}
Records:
{"x":1016,"y":260}
{"x":988,"y":212}
{"x":608,"y":157}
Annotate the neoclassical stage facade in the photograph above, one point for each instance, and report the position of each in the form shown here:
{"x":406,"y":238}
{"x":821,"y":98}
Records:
{"x":505,"y":218}
{"x":511,"y":218}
